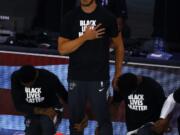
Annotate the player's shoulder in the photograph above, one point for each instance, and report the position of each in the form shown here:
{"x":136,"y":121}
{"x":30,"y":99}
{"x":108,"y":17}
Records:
{"x":46,"y":73}
{"x":15,"y":74}
{"x":151,"y":81}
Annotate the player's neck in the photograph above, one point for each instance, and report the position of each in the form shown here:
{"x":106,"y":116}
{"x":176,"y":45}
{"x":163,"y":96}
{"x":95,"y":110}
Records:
{"x":89,"y":9}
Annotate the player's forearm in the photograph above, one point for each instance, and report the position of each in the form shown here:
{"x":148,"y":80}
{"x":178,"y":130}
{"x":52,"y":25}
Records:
{"x":66,"y":47}
{"x":38,"y":110}
{"x":119,"y":57}
{"x":50,"y":112}
{"x":168,"y":106}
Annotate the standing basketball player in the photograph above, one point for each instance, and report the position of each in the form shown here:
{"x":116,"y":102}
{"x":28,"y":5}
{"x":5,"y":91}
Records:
{"x":85,"y":36}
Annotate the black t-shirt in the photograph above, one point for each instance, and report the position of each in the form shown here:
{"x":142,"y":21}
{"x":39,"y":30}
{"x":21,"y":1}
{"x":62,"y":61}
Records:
{"x":143,"y":104}
{"x":90,"y":62}
{"x":43,"y":93}
{"x":177,"y":95}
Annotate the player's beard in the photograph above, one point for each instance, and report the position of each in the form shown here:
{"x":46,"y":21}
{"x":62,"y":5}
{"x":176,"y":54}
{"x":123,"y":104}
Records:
{"x":85,"y":4}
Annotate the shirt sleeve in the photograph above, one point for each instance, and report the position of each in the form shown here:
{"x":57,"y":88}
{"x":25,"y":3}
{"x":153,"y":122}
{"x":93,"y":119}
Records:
{"x":159,"y":96}
{"x":17,"y":95}
{"x":66,"y":27}
{"x":170,"y":103}
{"x":168,"y":106}
{"x":60,"y":89}
{"x":113,"y":27}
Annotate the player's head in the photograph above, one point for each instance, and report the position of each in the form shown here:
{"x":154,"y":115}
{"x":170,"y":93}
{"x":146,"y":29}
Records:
{"x":127,"y":81}
{"x":27,"y":74}
{"x":86,"y":3}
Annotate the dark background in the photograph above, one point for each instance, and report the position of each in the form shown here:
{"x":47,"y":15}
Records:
{"x":47,"y":14}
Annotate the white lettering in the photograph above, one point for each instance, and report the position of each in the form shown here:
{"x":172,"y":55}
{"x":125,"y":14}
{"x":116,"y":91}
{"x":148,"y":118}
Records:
{"x":33,"y":95}
{"x":136,"y":102}
{"x":84,"y":24}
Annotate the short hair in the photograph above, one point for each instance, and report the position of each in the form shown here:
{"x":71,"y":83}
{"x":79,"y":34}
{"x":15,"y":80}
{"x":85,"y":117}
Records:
{"x":27,"y":73}
{"x":127,"y":81}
